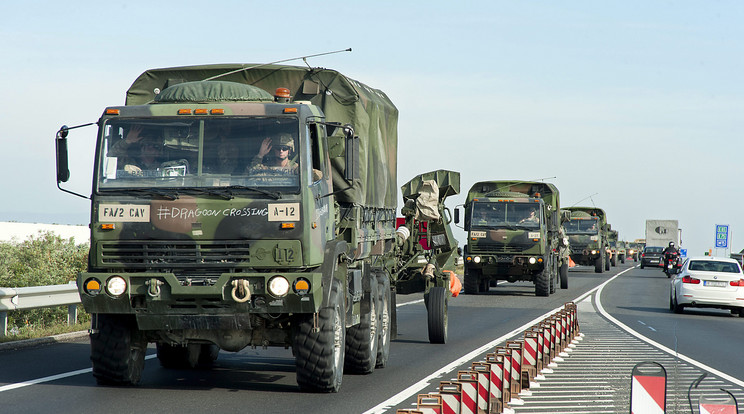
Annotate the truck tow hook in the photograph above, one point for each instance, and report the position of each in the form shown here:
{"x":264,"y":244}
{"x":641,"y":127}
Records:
{"x":153,"y":287}
{"x":241,"y":291}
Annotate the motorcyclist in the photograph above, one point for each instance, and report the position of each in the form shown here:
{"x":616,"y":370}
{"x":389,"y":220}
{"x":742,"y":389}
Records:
{"x":670,"y":253}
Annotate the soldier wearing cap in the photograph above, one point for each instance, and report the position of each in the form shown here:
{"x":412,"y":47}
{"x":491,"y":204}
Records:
{"x":276,"y":152}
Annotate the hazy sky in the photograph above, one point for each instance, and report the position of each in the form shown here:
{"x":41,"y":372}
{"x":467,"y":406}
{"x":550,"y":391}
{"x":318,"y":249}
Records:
{"x":639,"y":104}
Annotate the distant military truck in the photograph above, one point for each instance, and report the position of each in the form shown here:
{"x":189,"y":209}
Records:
{"x":514,"y":234}
{"x":250,"y":205}
{"x":634,"y":249}
{"x":587,"y":235}
{"x":617,"y":248}
{"x":622,"y":251}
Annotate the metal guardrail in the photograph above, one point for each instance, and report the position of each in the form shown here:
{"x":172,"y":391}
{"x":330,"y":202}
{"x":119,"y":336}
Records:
{"x":38,"y":297}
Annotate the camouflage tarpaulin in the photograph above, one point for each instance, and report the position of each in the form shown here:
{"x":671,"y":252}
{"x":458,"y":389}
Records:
{"x":344,"y":100}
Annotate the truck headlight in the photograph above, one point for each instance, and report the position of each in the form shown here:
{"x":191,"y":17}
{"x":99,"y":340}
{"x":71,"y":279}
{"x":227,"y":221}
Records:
{"x":594,"y":252}
{"x":477,"y":259}
{"x":278,"y":286}
{"x":116,"y":286}
{"x":533,"y":260}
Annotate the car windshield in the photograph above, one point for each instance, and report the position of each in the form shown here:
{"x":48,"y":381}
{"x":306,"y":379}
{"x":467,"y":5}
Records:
{"x":179,"y":153}
{"x":582,"y":226}
{"x":506,"y":215}
{"x":714,"y":266}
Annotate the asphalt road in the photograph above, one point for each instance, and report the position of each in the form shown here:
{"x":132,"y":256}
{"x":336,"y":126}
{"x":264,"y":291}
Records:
{"x":57,"y":377}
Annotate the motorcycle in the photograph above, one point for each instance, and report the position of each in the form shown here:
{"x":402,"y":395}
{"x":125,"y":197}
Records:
{"x":671,"y":263}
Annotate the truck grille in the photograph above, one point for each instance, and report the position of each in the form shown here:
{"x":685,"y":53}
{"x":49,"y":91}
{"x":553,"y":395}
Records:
{"x":174,"y":254}
{"x":501,"y":249}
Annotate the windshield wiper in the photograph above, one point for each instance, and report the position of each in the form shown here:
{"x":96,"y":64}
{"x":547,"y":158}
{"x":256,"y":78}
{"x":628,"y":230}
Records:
{"x":170,"y":195}
{"x":224,"y":194}
{"x":273,"y":194}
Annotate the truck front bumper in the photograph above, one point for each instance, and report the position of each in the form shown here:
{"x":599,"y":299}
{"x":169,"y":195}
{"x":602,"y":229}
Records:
{"x":227,"y":302}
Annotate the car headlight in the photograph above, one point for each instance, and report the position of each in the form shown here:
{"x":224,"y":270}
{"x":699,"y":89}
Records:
{"x":116,"y":286}
{"x":278,"y":286}
{"x":476,"y":259}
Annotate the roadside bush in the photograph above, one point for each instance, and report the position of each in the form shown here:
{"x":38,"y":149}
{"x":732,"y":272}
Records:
{"x":41,"y":260}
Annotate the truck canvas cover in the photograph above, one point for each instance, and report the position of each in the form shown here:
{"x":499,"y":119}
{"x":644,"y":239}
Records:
{"x":344,"y":100}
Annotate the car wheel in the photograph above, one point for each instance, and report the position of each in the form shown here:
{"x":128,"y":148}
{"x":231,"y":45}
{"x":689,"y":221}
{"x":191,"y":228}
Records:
{"x":676,"y":306}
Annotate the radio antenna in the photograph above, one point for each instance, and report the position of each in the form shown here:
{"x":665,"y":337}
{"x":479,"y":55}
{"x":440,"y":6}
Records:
{"x":304,"y":58}
{"x":589,"y":196}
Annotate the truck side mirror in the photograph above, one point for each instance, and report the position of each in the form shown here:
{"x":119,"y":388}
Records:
{"x":63,"y":171}
{"x":457,"y":215}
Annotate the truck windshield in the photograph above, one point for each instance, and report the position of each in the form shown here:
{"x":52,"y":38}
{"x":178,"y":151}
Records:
{"x":582,"y":226}
{"x":506,"y":215}
{"x":178,"y":153}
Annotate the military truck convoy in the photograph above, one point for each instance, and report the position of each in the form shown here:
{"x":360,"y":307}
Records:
{"x":514,"y":234}
{"x":237,"y":205}
{"x":588,"y":237}
{"x":255,"y":205}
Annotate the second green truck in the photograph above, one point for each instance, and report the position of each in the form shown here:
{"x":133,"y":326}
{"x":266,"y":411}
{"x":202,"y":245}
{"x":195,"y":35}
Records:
{"x":514,"y":234}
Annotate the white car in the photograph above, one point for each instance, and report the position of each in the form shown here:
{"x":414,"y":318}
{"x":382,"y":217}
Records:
{"x":708,"y":282}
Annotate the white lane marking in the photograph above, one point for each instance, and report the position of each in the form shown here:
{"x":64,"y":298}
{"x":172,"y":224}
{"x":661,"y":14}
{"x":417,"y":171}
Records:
{"x":598,"y":302}
{"x":409,"y":303}
{"x":53,"y":377}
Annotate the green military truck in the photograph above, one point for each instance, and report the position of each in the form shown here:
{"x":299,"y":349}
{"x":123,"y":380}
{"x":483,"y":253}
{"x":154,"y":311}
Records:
{"x":514,"y":233}
{"x":247,"y":205}
{"x":617,"y":248}
{"x":587,"y":234}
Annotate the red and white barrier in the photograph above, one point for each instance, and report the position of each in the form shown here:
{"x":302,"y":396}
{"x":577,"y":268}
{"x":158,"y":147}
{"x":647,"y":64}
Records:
{"x":469,"y":402}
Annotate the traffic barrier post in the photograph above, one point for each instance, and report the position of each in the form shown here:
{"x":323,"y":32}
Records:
{"x":529,"y":359}
{"x":517,"y":374}
{"x":496,"y":396}
{"x":469,"y":383}
{"x":429,"y":403}
{"x":506,"y":359}
{"x":451,"y":392}
{"x":648,"y":388}
{"x":483,"y":371}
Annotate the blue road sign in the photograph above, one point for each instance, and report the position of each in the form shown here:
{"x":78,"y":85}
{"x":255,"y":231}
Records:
{"x":683,"y":252}
{"x":722,"y":231}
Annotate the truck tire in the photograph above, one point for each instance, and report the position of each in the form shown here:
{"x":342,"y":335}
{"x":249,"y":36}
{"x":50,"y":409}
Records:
{"x":472,"y":281}
{"x":542,"y":283}
{"x":319,"y":356}
{"x":436,"y":309}
{"x":598,"y":265}
{"x":362,"y":339}
{"x":622,"y":258}
{"x":384,"y":319}
{"x":613,"y":260}
{"x":564,"y":276}
{"x":117,"y":350}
